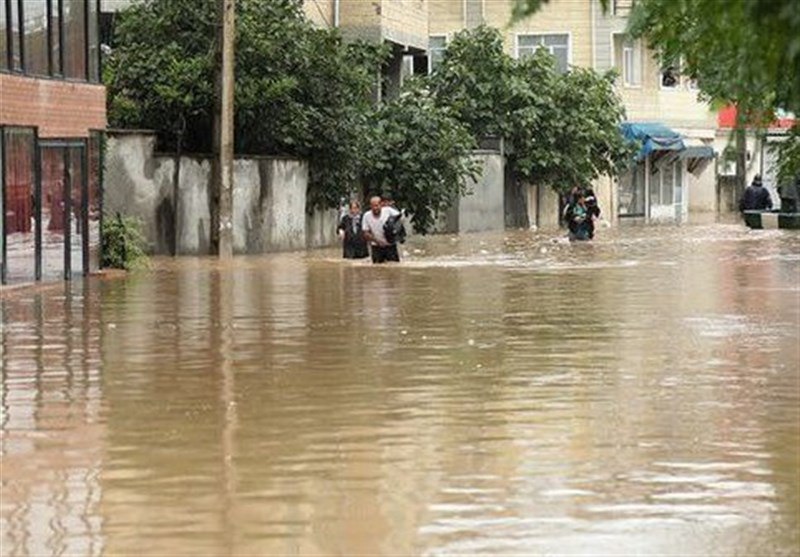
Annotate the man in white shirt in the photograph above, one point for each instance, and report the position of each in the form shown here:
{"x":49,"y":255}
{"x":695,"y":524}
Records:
{"x":372,"y":224}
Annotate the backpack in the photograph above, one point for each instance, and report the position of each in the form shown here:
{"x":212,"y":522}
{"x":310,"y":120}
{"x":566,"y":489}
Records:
{"x":394,"y":230}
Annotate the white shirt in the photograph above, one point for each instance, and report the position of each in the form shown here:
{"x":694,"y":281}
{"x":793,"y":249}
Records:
{"x":374,"y":225}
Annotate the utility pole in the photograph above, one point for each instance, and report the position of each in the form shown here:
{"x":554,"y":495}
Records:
{"x":225,"y":165}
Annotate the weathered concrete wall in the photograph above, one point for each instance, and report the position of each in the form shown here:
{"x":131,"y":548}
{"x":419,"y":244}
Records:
{"x":134,"y":185}
{"x":543,"y":207}
{"x":482,"y":209}
{"x":702,"y":191}
{"x":269,"y":207}
{"x":321,"y":228}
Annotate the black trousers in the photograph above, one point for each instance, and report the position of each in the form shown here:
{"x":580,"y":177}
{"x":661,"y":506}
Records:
{"x":382,"y":254}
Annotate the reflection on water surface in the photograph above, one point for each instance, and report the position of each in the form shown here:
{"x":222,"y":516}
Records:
{"x":492,"y":394}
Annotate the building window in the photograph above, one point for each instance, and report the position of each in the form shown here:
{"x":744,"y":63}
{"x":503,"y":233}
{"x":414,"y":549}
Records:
{"x":556,"y":44}
{"x":50,"y":38}
{"x":631,"y":192}
{"x":621,"y":8}
{"x":4,"y":29}
{"x":473,"y":13}
{"x":437,"y":44}
{"x":628,"y":60}
{"x":671,"y":73}
{"x":15,"y":26}
{"x":19,"y":205}
{"x":93,"y":36}
{"x":75,"y":50}
{"x":666,"y":184}
{"x":37,"y":55}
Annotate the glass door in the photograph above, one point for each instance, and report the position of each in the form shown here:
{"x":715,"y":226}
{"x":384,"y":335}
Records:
{"x":64,"y":209}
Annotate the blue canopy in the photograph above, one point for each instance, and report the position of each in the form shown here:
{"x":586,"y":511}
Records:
{"x":652,"y":137}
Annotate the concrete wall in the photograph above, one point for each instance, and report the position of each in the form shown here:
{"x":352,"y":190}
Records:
{"x":269,"y":203}
{"x":543,"y":207}
{"x":404,"y":22}
{"x":702,"y":190}
{"x":320,"y":12}
{"x":482,"y":208}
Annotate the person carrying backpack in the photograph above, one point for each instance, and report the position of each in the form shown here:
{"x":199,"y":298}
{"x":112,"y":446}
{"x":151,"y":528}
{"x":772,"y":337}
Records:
{"x":373,"y":224}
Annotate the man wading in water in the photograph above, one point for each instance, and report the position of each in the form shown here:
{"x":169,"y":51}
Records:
{"x":373,"y":226}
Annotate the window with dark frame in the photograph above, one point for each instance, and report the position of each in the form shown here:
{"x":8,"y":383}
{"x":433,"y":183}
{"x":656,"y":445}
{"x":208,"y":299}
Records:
{"x":58,"y":38}
{"x":5,"y":30}
{"x":74,"y":25}
{"x":36,"y":39}
{"x":16,"y":44}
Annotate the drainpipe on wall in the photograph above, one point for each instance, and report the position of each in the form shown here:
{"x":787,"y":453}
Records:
{"x":336,"y":13}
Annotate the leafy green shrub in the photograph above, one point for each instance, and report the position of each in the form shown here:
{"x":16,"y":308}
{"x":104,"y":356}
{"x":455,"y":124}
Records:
{"x":123,"y":243}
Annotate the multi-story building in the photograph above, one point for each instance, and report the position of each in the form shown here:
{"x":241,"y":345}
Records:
{"x":402,"y":24}
{"x":666,"y":183}
{"x":52,"y":113}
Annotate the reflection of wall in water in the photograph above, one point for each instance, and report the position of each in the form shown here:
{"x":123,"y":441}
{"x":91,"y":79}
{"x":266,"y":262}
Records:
{"x":52,"y":443}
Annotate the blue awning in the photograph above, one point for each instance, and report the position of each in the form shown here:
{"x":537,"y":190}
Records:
{"x":652,"y":137}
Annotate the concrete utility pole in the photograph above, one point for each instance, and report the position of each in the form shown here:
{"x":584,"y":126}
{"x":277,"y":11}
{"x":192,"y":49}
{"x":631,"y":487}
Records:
{"x":225,"y":166}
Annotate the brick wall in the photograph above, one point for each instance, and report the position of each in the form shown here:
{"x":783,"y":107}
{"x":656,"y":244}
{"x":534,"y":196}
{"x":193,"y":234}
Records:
{"x":58,"y":108}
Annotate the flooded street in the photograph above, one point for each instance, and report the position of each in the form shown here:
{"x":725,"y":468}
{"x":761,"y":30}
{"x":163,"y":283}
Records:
{"x":492,"y":394}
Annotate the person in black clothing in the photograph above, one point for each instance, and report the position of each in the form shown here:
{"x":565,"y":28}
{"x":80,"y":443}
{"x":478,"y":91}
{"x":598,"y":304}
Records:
{"x":354,"y":245}
{"x":755,"y":197}
{"x":580,"y":211}
{"x":592,"y":209}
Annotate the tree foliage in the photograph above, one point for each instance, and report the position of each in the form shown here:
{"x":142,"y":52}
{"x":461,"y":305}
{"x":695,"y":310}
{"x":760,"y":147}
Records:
{"x":745,"y":52}
{"x":421,"y":156}
{"x":300,"y":91}
{"x":562,"y":129}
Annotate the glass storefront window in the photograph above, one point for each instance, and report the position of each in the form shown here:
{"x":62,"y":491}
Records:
{"x":74,"y":38}
{"x":94,"y":42}
{"x":55,"y":38}
{"x":53,"y":213}
{"x":3,"y":37}
{"x":77,"y":223}
{"x":94,"y":207}
{"x":36,"y":47}
{"x":631,"y":192}
{"x":51,"y":38}
{"x":19,"y":185}
{"x":16,"y":35}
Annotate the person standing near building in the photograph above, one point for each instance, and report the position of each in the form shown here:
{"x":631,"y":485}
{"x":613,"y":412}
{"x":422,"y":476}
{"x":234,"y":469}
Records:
{"x":755,"y":197}
{"x":372,"y":223}
{"x":354,"y":245}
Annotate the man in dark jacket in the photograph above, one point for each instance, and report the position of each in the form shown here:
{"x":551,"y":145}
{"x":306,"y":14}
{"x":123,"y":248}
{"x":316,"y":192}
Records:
{"x":755,"y":197}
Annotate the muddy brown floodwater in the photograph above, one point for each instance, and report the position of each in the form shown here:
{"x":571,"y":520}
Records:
{"x":492,"y":394}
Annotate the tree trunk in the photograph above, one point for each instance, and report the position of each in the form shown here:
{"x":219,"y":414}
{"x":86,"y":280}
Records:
{"x":215,"y":184}
{"x":176,"y":183}
{"x":741,"y":151}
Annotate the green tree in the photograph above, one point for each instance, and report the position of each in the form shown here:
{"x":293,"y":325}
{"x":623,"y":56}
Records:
{"x":478,"y":82}
{"x":561,"y":129}
{"x":745,"y":52}
{"x":420,"y":154}
{"x":568,"y":132}
{"x":300,"y":91}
